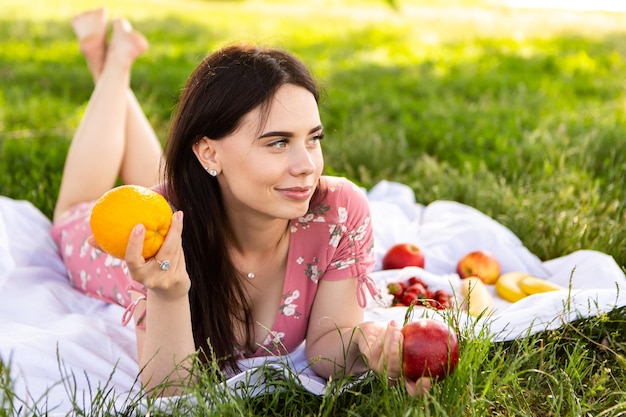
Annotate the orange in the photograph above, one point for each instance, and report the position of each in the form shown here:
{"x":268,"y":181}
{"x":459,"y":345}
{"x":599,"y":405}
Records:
{"x":120,"y":209}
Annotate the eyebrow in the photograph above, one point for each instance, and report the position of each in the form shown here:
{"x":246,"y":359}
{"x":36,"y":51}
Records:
{"x":287,"y":134}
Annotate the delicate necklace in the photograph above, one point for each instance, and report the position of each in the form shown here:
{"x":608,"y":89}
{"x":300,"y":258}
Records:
{"x":252,"y":274}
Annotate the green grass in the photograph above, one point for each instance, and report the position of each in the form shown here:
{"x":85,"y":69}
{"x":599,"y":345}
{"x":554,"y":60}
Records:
{"x":576,"y":370}
{"x":520,"y":114}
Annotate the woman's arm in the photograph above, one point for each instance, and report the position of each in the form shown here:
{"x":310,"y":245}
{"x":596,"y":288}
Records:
{"x":166,"y":346}
{"x":338,"y":341}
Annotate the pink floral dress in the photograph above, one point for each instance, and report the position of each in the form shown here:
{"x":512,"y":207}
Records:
{"x":333,"y":241}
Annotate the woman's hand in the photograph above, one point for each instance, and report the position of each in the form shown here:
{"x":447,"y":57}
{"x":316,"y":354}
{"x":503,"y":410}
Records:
{"x":168,"y":283}
{"x":417,"y":388}
{"x":381,"y":347}
{"x":166,"y":346}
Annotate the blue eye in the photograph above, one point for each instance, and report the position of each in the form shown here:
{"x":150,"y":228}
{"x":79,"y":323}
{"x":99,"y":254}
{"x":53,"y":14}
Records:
{"x":317,"y":137}
{"x":279,"y":144}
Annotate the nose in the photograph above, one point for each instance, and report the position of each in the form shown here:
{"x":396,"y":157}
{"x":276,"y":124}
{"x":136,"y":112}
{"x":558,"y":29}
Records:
{"x":304,"y":160}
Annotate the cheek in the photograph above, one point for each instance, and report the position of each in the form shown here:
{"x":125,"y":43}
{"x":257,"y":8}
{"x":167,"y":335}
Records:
{"x":258,"y":173}
{"x":319,"y":161}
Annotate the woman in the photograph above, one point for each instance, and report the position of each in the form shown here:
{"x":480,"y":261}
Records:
{"x":263,"y":252}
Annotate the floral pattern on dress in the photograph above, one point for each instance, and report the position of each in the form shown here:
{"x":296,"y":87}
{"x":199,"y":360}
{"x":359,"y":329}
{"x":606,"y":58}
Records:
{"x":288,"y":307}
{"x":311,"y":271}
{"x":355,"y":237}
{"x":90,"y":270}
{"x":315,"y":214}
{"x":85,"y":249}
{"x":335,"y":234}
{"x":273,"y":342}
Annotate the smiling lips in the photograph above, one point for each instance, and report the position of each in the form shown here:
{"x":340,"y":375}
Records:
{"x":296,"y":193}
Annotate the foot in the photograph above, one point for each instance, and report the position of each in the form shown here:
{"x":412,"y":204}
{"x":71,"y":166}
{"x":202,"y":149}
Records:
{"x":90,"y":28}
{"x":126,"y":44}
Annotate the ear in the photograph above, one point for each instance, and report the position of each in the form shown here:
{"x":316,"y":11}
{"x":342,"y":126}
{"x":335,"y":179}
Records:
{"x":206,"y":152}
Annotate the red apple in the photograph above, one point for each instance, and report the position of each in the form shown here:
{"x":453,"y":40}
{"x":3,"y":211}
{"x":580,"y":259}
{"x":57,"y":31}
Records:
{"x":479,"y":264}
{"x":403,"y":254}
{"x":430,"y":349}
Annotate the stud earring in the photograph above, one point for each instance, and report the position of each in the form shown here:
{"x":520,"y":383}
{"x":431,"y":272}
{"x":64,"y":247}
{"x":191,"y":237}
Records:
{"x":213,"y":173}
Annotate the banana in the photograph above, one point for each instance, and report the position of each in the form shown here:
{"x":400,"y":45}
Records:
{"x":508,"y":286}
{"x":534,"y":285}
{"x":476,"y":297}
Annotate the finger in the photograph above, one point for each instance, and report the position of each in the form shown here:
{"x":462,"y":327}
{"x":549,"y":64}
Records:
{"x":173,"y":280}
{"x":133,"y":257}
{"x":173,"y":238}
{"x":418,"y":388}
{"x":393,"y":351}
{"x":178,"y":258}
{"x":171,"y":249}
{"x":91,"y":241}
{"x":384,"y":358}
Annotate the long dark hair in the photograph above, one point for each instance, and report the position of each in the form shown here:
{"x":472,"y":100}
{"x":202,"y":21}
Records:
{"x":219,"y":93}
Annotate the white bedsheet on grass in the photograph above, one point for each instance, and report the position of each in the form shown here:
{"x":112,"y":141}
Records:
{"x":60,"y":344}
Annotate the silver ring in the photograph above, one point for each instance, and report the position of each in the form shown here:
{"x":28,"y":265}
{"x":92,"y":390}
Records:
{"x":390,"y":379}
{"x":165,"y":265}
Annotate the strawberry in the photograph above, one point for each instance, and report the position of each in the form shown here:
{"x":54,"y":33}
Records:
{"x":417,"y":288}
{"x":443,"y":300}
{"x":408,"y":299}
{"x":415,"y":280}
{"x":415,"y":291}
{"x":396,"y":288}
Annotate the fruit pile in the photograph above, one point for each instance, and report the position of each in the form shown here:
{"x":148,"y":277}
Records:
{"x":478,"y":270}
{"x":414,"y":291}
{"x":510,"y":286}
{"x":513,"y":286}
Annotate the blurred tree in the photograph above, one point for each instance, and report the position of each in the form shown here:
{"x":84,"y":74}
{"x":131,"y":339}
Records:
{"x":392,"y":3}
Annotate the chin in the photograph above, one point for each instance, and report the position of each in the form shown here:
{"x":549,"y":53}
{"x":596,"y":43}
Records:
{"x":292,"y":210}
{"x":299,"y":213}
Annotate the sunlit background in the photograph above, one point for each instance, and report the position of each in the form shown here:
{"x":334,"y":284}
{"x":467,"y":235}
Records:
{"x":605,"y":5}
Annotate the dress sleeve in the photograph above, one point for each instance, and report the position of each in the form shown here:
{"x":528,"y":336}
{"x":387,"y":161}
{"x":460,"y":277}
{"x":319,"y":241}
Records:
{"x":351,"y":239}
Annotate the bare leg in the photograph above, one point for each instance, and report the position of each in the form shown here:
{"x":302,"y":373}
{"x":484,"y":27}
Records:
{"x":90,"y":28}
{"x":98,"y":149}
{"x":143,"y":156}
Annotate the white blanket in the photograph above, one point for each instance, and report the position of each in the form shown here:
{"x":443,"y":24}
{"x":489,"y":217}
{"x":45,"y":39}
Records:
{"x":60,"y":344}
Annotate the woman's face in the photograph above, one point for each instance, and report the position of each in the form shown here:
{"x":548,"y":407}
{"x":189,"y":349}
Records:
{"x":272,"y":170}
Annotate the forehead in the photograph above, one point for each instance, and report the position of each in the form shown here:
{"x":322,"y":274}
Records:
{"x":290,"y":109}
